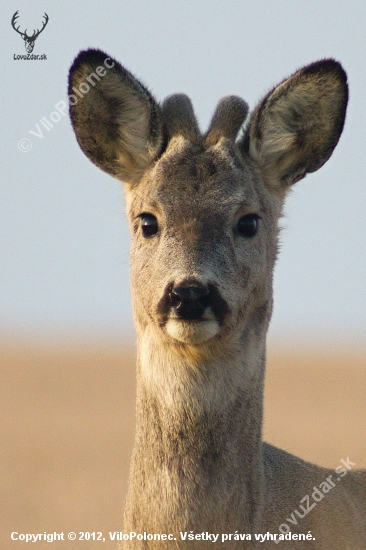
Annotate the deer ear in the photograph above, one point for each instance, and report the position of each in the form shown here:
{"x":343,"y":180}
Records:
{"x":117,"y":122}
{"x":297,"y":125}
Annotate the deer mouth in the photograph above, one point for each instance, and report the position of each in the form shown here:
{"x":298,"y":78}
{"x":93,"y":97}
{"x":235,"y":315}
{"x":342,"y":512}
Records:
{"x":192,"y":331}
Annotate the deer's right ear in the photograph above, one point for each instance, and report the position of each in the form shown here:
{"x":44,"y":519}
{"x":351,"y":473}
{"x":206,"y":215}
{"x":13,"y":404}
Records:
{"x":117,"y":122}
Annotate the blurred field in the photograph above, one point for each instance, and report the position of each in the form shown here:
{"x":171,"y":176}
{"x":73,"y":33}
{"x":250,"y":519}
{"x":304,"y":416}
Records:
{"x":67,"y":424}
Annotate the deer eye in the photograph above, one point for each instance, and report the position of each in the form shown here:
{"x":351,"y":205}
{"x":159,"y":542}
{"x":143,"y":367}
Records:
{"x":149,"y":225}
{"x":248,"y":225}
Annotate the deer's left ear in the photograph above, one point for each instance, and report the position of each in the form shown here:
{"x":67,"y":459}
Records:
{"x":117,"y":122}
{"x":297,"y":125}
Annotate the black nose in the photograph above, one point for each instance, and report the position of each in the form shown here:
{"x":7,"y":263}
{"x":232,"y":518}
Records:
{"x":190,"y":302}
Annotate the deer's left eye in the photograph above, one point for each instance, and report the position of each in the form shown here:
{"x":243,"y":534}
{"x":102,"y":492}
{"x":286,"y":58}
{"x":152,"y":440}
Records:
{"x":149,"y":225}
{"x":248,"y":225}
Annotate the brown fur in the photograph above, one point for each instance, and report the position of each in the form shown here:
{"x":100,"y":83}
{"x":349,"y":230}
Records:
{"x":199,"y":463}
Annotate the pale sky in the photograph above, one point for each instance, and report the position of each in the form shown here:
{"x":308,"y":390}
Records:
{"x":64,"y":241}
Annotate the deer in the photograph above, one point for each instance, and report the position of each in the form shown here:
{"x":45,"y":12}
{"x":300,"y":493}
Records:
{"x":203,"y":210}
{"x":29,"y":41}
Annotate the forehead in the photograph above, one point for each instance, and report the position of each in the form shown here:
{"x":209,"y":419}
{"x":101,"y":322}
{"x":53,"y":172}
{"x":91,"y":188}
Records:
{"x":191,"y":173}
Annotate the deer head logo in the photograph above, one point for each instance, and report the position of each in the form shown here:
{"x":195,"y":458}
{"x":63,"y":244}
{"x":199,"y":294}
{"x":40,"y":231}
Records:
{"x":28,"y":40}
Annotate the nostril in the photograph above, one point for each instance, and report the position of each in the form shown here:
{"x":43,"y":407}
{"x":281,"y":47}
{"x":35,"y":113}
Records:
{"x":182,"y":294}
{"x":189,"y":302}
{"x":176,"y":298}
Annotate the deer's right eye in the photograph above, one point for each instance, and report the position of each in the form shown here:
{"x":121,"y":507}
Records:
{"x":149,"y":225}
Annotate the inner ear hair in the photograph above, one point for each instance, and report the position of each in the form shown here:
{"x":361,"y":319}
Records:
{"x":297,"y":125}
{"x":117,"y":122}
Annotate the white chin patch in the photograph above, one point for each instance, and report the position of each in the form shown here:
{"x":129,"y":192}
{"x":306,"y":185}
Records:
{"x":192,"y":332}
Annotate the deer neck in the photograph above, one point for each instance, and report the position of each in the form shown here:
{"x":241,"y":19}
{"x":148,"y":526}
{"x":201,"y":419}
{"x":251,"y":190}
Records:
{"x":197,"y":461}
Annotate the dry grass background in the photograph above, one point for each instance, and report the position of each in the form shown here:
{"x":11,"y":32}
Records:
{"x":67,"y":424}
